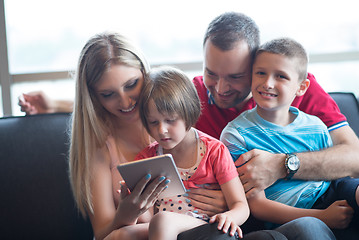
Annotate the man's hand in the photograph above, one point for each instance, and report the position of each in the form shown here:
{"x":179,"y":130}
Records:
{"x":259,"y":169}
{"x":208,"y":200}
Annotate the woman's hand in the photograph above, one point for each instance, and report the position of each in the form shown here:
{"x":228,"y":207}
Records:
{"x":38,"y":102}
{"x":35,"y":103}
{"x":209,"y":199}
{"x":144,"y":195}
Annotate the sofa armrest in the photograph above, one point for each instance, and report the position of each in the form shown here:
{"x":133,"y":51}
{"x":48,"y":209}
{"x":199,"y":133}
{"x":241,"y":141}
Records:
{"x":349,"y":106}
{"x":37,"y":201}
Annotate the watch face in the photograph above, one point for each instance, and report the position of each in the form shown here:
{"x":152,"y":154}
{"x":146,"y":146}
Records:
{"x":293,"y":163}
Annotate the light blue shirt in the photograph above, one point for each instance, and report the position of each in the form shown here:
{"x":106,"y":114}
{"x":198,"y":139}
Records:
{"x":306,"y":133}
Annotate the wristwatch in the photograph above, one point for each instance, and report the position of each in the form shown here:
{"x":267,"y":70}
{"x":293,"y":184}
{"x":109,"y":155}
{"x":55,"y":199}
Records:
{"x":292,"y":165}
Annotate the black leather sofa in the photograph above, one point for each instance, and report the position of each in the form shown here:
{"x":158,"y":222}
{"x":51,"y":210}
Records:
{"x":36,"y":200}
{"x":35,"y":196}
{"x":349,"y":106}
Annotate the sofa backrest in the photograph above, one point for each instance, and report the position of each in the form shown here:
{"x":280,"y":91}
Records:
{"x":349,"y":106}
{"x":36,"y":199}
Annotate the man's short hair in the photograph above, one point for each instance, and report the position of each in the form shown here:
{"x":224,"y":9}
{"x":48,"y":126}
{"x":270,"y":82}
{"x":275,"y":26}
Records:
{"x":231,"y":27}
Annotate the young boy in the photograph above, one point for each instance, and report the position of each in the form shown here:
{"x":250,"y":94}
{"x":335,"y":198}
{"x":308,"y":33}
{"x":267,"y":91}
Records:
{"x":278,"y":76}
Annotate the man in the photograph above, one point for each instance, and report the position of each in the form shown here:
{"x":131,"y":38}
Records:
{"x":229,"y":45}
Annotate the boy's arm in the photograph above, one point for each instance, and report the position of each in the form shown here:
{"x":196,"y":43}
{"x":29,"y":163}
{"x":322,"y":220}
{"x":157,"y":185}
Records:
{"x":338,"y":215}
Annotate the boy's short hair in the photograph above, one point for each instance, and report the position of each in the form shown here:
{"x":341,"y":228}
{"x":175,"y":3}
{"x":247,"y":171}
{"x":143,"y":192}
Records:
{"x":289,"y":48}
{"x":173,"y":93}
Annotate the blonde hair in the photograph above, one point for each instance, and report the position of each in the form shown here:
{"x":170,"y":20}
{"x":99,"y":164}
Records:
{"x":91,"y":122}
{"x":173,"y":92}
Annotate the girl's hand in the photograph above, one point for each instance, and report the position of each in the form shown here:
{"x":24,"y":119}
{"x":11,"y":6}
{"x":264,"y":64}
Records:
{"x":225,"y":222}
{"x":144,"y":195}
{"x":338,"y":215}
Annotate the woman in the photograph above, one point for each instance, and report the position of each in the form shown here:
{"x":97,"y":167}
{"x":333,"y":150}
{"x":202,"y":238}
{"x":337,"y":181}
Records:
{"x":107,"y":131}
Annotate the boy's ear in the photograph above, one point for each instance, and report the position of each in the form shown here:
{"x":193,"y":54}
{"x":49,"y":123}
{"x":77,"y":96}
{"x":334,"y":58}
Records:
{"x":303,"y":86}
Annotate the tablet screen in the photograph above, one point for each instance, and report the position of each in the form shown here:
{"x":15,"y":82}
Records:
{"x":162,"y":165}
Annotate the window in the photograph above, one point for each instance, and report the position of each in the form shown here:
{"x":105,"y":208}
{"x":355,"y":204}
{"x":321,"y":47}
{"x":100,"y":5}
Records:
{"x":47,"y":36}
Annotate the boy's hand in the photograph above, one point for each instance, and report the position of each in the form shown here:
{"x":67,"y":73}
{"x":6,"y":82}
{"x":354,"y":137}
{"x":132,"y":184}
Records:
{"x":225,"y":222}
{"x":338,"y":215}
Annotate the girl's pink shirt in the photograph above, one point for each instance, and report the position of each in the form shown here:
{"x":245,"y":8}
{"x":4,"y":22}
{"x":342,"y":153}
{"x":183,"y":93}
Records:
{"x":216,"y":165}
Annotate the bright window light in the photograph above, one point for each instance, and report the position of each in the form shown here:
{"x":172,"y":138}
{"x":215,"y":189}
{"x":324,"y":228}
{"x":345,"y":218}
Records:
{"x":47,"y":36}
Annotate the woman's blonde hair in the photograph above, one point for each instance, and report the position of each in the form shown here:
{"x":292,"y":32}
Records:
{"x":91,"y":122}
{"x":173,"y":93}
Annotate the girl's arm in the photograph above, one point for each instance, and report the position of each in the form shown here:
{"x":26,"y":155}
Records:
{"x":337,"y":215}
{"x":238,"y":211}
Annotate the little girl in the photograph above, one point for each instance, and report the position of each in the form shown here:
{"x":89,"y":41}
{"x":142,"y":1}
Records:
{"x":169,"y":106}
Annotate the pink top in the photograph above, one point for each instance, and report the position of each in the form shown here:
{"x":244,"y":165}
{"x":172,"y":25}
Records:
{"x":216,"y":165}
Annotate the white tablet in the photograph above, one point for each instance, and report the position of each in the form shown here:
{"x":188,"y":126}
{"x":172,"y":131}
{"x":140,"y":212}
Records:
{"x":163,"y":165}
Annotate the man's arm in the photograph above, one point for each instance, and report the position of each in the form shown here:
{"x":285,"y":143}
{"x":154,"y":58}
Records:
{"x":264,"y":168}
{"x":341,"y":160}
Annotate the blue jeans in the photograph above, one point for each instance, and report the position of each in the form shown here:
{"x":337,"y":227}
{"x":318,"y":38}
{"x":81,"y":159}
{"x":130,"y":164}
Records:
{"x":307,"y":228}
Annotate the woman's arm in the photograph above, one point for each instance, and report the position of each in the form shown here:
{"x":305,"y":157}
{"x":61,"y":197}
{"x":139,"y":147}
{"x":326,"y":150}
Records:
{"x":104,"y":210}
{"x":38,"y":102}
{"x":105,"y":217}
{"x":337,"y":215}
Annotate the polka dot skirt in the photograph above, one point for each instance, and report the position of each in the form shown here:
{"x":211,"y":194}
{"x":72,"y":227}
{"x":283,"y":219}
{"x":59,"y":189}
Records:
{"x":180,"y":204}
